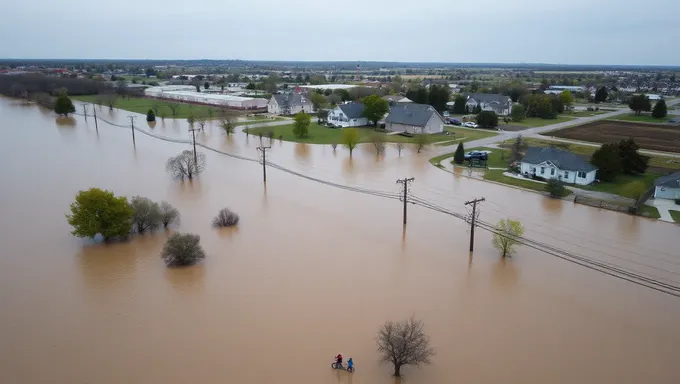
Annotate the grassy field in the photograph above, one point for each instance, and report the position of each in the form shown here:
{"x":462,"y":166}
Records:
{"x":644,"y":118}
{"x":531,"y":122}
{"x":675,"y":215}
{"x":498,"y":176}
{"x":319,"y":134}
{"x":650,"y":211}
{"x":142,"y":105}
{"x":620,"y":185}
{"x":583,"y":113}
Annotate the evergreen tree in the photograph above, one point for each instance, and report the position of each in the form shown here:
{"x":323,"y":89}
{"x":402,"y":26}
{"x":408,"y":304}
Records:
{"x":640,"y":103}
{"x":459,"y":105}
{"x":660,"y":110}
{"x":150,"y":115}
{"x":631,"y":161}
{"x":601,"y":95}
{"x":64,"y":105}
{"x":459,"y":156}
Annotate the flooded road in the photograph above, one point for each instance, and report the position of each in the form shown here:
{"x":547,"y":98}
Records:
{"x":311,"y":270}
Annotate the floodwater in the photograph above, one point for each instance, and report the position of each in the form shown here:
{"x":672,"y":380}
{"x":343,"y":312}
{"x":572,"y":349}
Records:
{"x":311,"y":270}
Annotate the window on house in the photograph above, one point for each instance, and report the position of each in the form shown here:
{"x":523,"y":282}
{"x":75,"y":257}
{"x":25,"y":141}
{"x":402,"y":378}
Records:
{"x":542,"y":170}
{"x":552,"y":171}
{"x":566,"y":174}
{"x":581,"y":175}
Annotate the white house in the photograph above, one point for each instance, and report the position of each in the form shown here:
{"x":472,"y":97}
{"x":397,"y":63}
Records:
{"x":667,"y":187}
{"x":348,"y":115}
{"x":414,"y":118}
{"x":500,"y":104}
{"x":289,"y":104}
{"x":553,"y":163}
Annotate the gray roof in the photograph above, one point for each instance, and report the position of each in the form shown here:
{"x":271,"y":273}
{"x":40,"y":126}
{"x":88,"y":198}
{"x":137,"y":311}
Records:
{"x":489,"y":98}
{"x":290,"y":99}
{"x":411,"y":114}
{"x":562,"y":159}
{"x":670,"y":181}
{"x":352,"y":110}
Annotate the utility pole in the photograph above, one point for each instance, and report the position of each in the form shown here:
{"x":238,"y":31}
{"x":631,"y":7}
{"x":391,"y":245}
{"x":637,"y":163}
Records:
{"x":405,"y":182}
{"x":94,"y":108}
{"x":193,"y":136}
{"x":473,"y":220}
{"x":85,"y":111}
{"x":132,"y":125}
{"x":264,"y":161}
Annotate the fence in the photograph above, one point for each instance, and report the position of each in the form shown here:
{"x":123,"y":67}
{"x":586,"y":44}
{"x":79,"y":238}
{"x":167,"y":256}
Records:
{"x":605,"y":204}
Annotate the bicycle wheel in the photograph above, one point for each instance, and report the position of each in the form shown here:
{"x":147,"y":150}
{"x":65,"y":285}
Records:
{"x":334,"y":365}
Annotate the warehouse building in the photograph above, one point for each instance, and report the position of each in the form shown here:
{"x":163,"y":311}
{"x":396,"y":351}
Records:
{"x":188,"y":94}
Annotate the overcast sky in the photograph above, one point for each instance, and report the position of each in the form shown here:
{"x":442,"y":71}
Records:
{"x":498,"y":31}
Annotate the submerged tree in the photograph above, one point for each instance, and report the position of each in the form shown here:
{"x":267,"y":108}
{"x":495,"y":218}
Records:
{"x":182,"y":249}
{"x":378,"y":141}
{"x":504,"y":238}
{"x":63,"y":106}
{"x":150,"y":116}
{"x":404,"y":343}
{"x":225,"y":218}
{"x":400,"y":147}
{"x":169,"y":214}
{"x":98,"y":211}
{"x":555,"y":188}
{"x":184,"y":165}
{"x":350,"y":139}
{"x":147,"y":214}
{"x":422,"y":140}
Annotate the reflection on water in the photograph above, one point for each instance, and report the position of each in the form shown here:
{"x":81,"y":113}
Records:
{"x":65,"y":121}
{"x":309,"y":266}
{"x":151,"y":124}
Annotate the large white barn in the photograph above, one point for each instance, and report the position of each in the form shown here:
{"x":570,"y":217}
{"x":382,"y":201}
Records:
{"x":189,"y":94}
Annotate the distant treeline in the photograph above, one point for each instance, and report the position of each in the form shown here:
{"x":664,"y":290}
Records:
{"x":25,"y":85}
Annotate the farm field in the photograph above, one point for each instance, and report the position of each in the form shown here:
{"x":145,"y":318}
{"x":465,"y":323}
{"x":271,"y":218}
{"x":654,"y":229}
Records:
{"x":656,"y":137}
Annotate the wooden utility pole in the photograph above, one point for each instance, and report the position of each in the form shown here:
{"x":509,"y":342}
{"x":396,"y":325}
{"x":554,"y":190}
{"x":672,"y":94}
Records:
{"x":132,"y":125}
{"x":85,"y":111}
{"x":264,"y":161}
{"x":193,"y":137}
{"x":94,"y":108}
{"x":405,"y":182}
{"x":473,"y":220}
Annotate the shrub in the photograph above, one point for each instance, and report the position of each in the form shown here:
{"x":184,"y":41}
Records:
{"x":555,"y":188}
{"x":182,"y":249}
{"x":538,"y":178}
{"x":225,"y":218}
{"x":677,"y":201}
{"x":150,"y":115}
{"x":169,"y":214}
{"x":147,"y":214}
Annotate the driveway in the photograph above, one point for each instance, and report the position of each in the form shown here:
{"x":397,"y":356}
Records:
{"x":663,"y":206}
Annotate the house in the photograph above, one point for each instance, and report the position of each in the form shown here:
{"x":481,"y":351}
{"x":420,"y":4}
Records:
{"x":348,"y":115}
{"x":394,"y":99}
{"x":414,"y":118}
{"x":554,"y":163}
{"x":500,"y":104}
{"x":289,"y":104}
{"x":667,"y":187}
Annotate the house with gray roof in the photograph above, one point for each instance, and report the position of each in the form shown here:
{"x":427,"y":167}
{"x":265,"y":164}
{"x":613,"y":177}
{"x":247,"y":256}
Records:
{"x":289,"y":104}
{"x":667,"y":187}
{"x":348,"y":115}
{"x":555,"y":163}
{"x":414,"y":118}
{"x":500,"y":104}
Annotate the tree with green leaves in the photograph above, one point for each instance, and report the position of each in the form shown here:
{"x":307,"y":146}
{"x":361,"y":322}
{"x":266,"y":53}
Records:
{"x":63,"y":106}
{"x":632,"y":162}
{"x":601,"y":95}
{"x":555,"y":187}
{"x":608,"y":161}
{"x":147,"y":214}
{"x":517,"y":150}
{"x":150,"y":115}
{"x":518,"y":112}
{"x":459,"y":105}
{"x":634,"y":190}
{"x":459,"y":155}
{"x":350,"y":139}
{"x":375,"y":107}
{"x":660,"y":110}
{"x":487,"y":119}
{"x":505,"y":237}
{"x":98,"y":211}
{"x":438,"y":96}
{"x":301,"y":125}
{"x":567,"y":99}
{"x":639,"y":103}
{"x":318,"y":101}
{"x":477,"y":109}
{"x":422,"y":141}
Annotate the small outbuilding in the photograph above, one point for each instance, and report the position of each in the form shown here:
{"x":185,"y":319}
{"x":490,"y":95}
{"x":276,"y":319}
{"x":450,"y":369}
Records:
{"x":667,"y":187}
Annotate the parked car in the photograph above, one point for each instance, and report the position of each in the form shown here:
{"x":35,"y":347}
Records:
{"x":478,"y":155}
{"x":453,"y":121}
{"x":470,"y":124}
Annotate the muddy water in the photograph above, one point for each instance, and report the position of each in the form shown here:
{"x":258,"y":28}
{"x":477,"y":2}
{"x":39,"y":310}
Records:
{"x":311,"y":271}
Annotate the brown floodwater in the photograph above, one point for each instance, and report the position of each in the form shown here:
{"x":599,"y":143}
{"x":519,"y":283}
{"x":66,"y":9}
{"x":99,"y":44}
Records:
{"x":311,"y":270}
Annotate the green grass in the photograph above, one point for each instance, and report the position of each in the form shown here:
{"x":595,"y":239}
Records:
{"x":142,"y":105}
{"x":258,"y":120}
{"x":496,"y":157}
{"x":319,"y":134}
{"x":583,"y":113}
{"x":644,"y":118}
{"x":498,"y":176}
{"x":436,"y":161}
{"x":675,"y":215}
{"x":531,"y":122}
{"x":469,"y":134}
{"x":620,"y":185}
{"x":649,"y":211}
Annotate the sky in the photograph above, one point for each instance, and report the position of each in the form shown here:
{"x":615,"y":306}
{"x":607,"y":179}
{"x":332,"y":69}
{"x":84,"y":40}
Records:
{"x":489,"y":31}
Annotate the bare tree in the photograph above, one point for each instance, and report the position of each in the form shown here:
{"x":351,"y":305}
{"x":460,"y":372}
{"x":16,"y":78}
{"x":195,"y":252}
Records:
{"x":227,"y":124}
{"x":201,"y":120}
{"x":147,"y":214}
{"x":334,"y":145}
{"x":182,"y":249}
{"x":225,"y":218}
{"x":169,"y":214}
{"x":400,"y":147}
{"x":155,"y":108}
{"x":183,"y":165}
{"x":174,"y":107}
{"x":422,"y":140}
{"x":378,"y":142}
{"x":109,"y":100}
{"x":404,"y":343}
{"x":211,"y":113}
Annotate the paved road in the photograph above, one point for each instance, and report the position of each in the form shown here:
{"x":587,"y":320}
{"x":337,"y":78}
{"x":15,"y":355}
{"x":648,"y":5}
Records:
{"x":532,"y":132}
